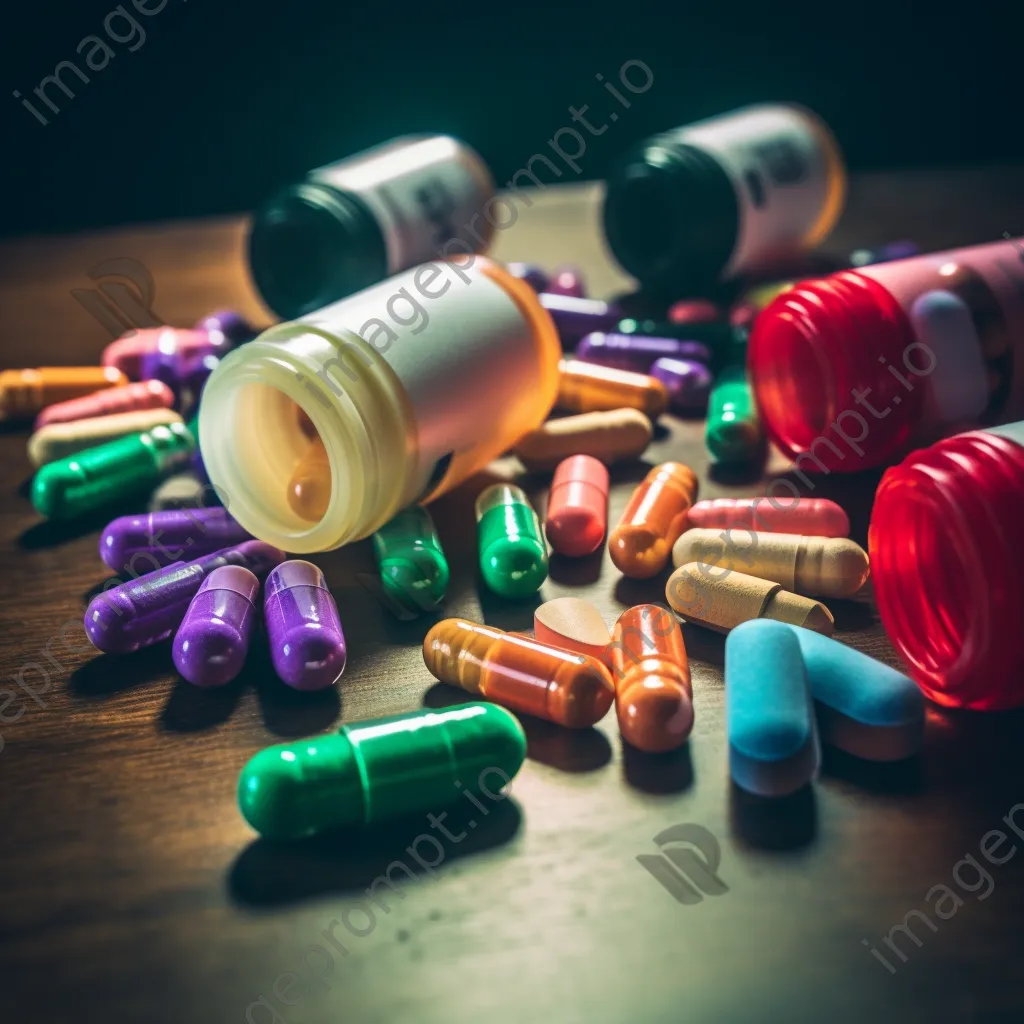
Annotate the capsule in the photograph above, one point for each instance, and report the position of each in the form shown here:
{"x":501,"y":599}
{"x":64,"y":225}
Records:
{"x":718,"y":336}
{"x":227,"y":327}
{"x":533,"y":275}
{"x":810,"y":517}
{"x":577,"y":506}
{"x":168,"y":536}
{"x":192,"y":376}
{"x":769,"y":714}
{"x":654,"y":517}
{"x":575,"y":318}
{"x":150,"y":608}
{"x":721,"y":600}
{"x":653,"y":693}
{"x":815,"y":566}
{"x":572,"y":624}
{"x":147,"y":394}
{"x":211,"y":644}
{"x":694,"y":311}
{"x":734,"y":433}
{"x":98,"y":476}
{"x":164,"y":345}
{"x":385,"y":768}
{"x":607,"y":436}
{"x":519,"y":672}
{"x":687,"y":382}
{"x":513,"y":557}
{"x":59,"y":440}
{"x":25,"y":393}
{"x":587,"y":387}
{"x":309,"y":489}
{"x":175,"y":355}
{"x":183,"y":491}
{"x":637,"y":352}
{"x":307,"y":645}
{"x":413,"y":570}
{"x":567,"y":281}
{"x":902,"y":250}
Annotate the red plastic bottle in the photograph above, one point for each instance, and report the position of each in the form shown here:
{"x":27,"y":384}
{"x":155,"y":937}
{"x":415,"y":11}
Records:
{"x":948,"y":564}
{"x":858,"y":368}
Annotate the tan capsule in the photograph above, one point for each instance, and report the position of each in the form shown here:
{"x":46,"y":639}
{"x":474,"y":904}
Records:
{"x":309,"y":490}
{"x":57,"y":440}
{"x":721,"y":600}
{"x":818,"y":566}
{"x":25,"y":393}
{"x":608,"y":436}
{"x":587,"y":387}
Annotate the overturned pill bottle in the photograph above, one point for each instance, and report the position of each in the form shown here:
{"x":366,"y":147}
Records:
{"x":947,"y":564}
{"x":384,"y":400}
{"x":858,"y":368}
{"x":706,"y":203}
{"x":353,"y":223}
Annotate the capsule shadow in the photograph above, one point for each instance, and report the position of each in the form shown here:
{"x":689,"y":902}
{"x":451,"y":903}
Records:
{"x":577,"y":572}
{"x":629,"y":592}
{"x":660,"y":774}
{"x":194,"y":708}
{"x":568,"y":750}
{"x":853,"y":614}
{"x":703,"y":644}
{"x":738,"y":474}
{"x":896,"y":778}
{"x":770,"y":823}
{"x":115,"y":673}
{"x":268,"y":874}
{"x":511,"y":615}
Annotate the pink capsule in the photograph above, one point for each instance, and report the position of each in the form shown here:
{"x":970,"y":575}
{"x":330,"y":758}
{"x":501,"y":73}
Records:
{"x":147,"y":394}
{"x":127,"y":352}
{"x":808,"y":517}
{"x":694,"y":311}
{"x":567,"y":281}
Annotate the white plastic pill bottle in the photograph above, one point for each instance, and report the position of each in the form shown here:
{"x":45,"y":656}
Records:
{"x":411,"y":386}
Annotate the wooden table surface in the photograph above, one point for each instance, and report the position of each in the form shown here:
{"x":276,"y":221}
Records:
{"x":133,"y":891}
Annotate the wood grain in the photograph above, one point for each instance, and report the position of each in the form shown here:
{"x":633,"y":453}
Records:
{"x":133,"y":891}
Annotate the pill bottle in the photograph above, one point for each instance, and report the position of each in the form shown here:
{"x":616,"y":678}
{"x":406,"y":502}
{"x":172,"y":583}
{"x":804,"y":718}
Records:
{"x":355,"y":222}
{"x":856,"y":369}
{"x":723,"y":197}
{"x":947,"y":565}
{"x":410,"y":387}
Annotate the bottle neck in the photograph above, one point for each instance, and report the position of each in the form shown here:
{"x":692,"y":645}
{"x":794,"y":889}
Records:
{"x":947,"y":572}
{"x":252,"y":439}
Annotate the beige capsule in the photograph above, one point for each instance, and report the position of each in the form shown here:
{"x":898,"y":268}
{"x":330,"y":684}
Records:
{"x":607,"y":436}
{"x":722,"y":600}
{"x":817,"y":566}
{"x":58,"y":440}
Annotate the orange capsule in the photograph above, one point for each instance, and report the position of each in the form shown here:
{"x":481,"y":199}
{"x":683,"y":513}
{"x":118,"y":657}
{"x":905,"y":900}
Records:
{"x":25,"y":393}
{"x":653,"y":692}
{"x":653,"y":520}
{"x":519,"y":673}
{"x":587,"y":387}
{"x":309,"y":490}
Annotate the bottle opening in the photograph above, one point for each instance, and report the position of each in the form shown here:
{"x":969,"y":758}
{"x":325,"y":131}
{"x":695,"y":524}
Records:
{"x":642,"y":210}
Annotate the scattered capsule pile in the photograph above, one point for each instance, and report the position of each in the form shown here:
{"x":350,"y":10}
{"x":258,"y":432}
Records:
{"x":754,"y":568}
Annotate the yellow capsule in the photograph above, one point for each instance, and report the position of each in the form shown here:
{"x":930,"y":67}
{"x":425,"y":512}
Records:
{"x":58,"y":440}
{"x":309,"y":490}
{"x":587,"y":387}
{"x":817,"y":566}
{"x":607,"y":436}
{"x":720,"y":600}
{"x":25,"y":393}
{"x":519,"y":672}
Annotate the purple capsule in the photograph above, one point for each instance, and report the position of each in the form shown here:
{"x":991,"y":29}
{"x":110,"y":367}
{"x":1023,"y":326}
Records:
{"x":307,"y":645}
{"x":688,"y":382}
{"x":198,"y":466}
{"x":536,"y":278}
{"x":575,"y":318}
{"x":192,"y":376}
{"x":636,"y":351}
{"x":567,"y":281}
{"x":213,"y":639}
{"x":160,"y":538}
{"x":230,"y":325}
{"x":150,"y":608}
{"x":177,"y":354}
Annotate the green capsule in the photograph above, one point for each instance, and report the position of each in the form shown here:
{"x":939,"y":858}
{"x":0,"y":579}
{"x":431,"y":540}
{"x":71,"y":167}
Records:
{"x":374,"y":771}
{"x":513,"y":555}
{"x":91,"y":479}
{"x":734,"y":431}
{"x":413,"y":569}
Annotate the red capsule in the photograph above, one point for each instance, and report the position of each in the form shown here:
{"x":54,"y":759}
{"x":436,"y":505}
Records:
{"x":147,"y":394}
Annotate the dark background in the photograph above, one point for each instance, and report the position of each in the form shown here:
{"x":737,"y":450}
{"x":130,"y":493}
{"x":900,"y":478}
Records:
{"x":226,"y":101}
